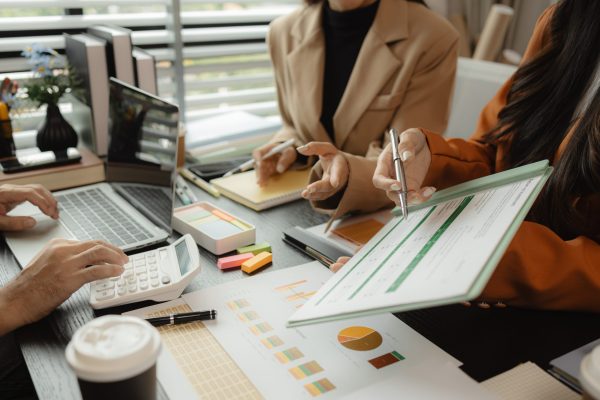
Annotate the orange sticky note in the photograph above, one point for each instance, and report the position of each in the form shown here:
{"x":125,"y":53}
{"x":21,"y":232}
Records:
{"x":257,"y":262}
{"x":222,"y":215}
{"x":359,"y":233}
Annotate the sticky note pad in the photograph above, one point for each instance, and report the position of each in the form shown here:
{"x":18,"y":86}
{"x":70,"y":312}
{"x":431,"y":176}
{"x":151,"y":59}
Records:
{"x":222,"y":215}
{"x":200,"y":221}
{"x":240,"y":225}
{"x":233,"y":261}
{"x":214,"y":229}
{"x":219,"y":229}
{"x":255,"y":248}
{"x":359,"y":233}
{"x":257,"y":262}
{"x":194,"y":214}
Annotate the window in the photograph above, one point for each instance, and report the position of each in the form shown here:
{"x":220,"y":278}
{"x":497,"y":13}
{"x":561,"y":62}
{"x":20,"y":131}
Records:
{"x":226,"y":65}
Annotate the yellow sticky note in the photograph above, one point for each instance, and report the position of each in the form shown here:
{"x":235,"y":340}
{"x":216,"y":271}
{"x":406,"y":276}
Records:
{"x":257,"y":262}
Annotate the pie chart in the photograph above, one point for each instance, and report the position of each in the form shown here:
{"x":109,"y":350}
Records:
{"x":359,"y":338}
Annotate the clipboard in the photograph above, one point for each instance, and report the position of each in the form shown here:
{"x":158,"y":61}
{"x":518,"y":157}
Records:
{"x":320,"y":307}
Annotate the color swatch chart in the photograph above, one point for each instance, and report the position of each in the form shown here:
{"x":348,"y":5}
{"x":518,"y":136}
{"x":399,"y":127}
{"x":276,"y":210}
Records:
{"x":199,"y":356}
{"x":318,"y":361}
{"x":293,"y":292}
{"x":243,"y":309}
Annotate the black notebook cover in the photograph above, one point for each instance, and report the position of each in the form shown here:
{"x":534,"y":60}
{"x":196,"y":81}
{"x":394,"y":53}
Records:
{"x":313,"y":246}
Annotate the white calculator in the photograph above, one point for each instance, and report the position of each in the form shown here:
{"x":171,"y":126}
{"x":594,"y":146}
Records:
{"x":158,"y":275}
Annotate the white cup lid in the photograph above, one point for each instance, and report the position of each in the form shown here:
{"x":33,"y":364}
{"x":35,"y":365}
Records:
{"x":113,"y":348}
{"x":590,"y":373}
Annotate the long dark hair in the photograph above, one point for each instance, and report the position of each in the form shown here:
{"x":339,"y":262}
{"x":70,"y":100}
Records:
{"x":540,"y":112}
{"x":412,"y":1}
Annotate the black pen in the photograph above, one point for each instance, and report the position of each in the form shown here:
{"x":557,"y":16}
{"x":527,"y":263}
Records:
{"x":183,"y":318}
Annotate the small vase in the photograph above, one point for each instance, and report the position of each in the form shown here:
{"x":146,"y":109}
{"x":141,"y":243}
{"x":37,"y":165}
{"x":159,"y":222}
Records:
{"x":55,"y":133}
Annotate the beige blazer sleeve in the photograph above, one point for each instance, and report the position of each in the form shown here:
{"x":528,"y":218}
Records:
{"x":287,"y":130}
{"x":426,"y":103}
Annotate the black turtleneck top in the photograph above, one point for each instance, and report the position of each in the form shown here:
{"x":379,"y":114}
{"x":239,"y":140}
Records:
{"x":344,"y":35}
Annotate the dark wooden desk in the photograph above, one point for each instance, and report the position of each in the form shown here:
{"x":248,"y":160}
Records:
{"x":486,"y":341}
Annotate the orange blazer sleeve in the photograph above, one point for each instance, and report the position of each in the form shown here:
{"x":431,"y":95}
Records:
{"x":539,"y":269}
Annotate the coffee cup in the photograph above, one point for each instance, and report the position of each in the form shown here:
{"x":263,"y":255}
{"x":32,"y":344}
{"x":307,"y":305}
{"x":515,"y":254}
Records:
{"x":114,"y":357}
{"x":589,"y":375}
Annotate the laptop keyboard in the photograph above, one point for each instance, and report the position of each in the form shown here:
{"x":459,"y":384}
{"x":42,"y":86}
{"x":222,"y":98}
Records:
{"x":91,"y":215}
{"x":155,"y":200}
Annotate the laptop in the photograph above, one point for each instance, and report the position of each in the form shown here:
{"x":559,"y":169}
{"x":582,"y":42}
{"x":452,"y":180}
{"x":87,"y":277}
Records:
{"x":133,"y":209}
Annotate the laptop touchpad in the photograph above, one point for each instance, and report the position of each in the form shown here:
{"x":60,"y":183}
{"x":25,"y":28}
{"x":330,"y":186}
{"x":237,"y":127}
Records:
{"x":26,"y":244}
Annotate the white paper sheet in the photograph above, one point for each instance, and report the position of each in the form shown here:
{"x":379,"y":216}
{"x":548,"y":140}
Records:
{"x":286,"y":362}
{"x":437,"y":253}
{"x":425,"y":382}
{"x":528,"y":382}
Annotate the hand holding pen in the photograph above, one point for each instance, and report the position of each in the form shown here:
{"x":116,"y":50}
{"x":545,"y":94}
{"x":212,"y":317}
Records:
{"x":273,"y":158}
{"x":413,"y":151}
{"x":399,"y":170}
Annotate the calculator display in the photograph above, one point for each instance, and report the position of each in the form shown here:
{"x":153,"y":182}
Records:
{"x":183,"y":257}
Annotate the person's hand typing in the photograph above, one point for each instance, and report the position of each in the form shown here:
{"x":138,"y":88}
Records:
{"x":335,"y":170}
{"x":276,"y":164}
{"x":415,"y":154}
{"x":13,"y":195}
{"x":57,"y":271}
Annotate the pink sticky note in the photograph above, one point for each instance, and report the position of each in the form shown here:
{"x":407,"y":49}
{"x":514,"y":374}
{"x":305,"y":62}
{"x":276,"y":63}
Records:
{"x":233,"y":261}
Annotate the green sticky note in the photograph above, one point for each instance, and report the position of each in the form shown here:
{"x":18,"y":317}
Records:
{"x":195,"y":214}
{"x":255,"y":248}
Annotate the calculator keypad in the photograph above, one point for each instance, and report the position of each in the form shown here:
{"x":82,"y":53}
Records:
{"x":141,"y":273}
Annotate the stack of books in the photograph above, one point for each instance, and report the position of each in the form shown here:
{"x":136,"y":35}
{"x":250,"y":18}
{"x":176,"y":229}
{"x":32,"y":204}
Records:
{"x":102,"y":52}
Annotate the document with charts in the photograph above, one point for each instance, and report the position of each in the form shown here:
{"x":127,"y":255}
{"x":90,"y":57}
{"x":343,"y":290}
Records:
{"x":444,"y":252}
{"x":377,"y":356}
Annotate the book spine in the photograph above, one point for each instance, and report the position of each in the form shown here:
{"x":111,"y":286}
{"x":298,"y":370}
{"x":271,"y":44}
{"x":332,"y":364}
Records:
{"x":63,"y":180}
{"x":123,"y":59}
{"x":145,"y":71}
{"x":99,"y":94}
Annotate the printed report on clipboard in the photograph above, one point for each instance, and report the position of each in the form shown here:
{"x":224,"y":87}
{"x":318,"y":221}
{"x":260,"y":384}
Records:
{"x":443,"y":253}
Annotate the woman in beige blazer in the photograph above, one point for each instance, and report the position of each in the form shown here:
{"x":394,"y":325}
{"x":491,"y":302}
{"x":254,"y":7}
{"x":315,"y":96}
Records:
{"x":402,"y":77}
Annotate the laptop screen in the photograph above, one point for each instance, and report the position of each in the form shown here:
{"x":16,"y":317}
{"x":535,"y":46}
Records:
{"x":142,"y":152}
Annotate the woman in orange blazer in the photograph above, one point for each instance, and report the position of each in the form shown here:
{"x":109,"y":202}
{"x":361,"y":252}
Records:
{"x":549,"y":109}
{"x":346,"y":70}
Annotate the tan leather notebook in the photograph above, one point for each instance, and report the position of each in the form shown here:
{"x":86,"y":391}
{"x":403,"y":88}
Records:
{"x":281,"y":189}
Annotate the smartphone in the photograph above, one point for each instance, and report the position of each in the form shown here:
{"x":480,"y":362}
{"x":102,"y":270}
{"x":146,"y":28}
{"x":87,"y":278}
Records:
{"x":40,"y":160}
{"x":217,"y":169}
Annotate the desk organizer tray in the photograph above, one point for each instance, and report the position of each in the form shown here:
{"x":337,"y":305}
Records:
{"x":212,"y":228}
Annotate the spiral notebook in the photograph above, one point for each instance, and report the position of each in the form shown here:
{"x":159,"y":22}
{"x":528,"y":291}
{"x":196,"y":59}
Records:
{"x":280,"y":189}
